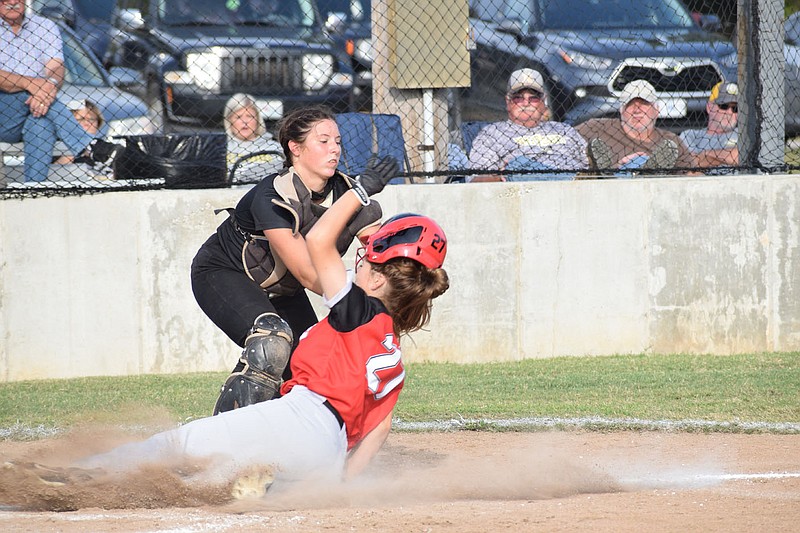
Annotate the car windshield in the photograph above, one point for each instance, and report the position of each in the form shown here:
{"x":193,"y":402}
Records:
{"x":587,"y":14}
{"x":90,"y":9}
{"x":80,"y":68}
{"x":234,"y":12}
{"x":353,"y":10}
{"x":97,"y":9}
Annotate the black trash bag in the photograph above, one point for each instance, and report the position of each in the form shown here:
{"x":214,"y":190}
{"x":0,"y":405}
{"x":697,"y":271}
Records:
{"x":184,"y":161}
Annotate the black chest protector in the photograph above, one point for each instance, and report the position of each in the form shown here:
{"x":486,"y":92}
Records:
{"x":269,"y":270}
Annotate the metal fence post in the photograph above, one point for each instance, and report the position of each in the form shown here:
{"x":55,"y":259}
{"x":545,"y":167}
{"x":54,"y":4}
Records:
{"x":760,"y":36}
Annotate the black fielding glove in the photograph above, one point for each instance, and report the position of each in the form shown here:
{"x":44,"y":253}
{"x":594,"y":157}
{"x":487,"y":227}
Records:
{"x":375,"y":177}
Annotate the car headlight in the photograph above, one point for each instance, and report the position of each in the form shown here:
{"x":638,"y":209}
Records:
{"x":204,"y":68}
{"x":363,"y":50}
{"x":317,"y":71}
{"x":586,"y":61}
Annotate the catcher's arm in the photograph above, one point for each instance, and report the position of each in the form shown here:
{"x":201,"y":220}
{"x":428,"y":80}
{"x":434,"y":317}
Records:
{"x":367,"y":448}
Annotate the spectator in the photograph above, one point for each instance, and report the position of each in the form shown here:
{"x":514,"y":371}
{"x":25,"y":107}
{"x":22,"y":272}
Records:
{"x":634,"y":141}
{"x":717,"y":144}
{"x":257,"y":261}
{"x":528,"y":140}
{"x":89,"y":117}
{"x":247,"y":134}
{"x":31,"y":72}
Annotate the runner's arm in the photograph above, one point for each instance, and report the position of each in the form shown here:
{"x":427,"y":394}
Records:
{"x":368,"y":448}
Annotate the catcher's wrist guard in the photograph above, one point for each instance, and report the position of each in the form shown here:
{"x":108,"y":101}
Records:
{"x":361,"y":194}
{"x":265,"y":355}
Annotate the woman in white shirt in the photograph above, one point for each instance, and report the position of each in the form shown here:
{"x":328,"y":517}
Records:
{"x":247,"y":134}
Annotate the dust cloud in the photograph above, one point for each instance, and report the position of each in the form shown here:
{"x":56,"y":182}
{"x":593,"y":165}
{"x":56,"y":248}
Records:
{"x":400,"y":476}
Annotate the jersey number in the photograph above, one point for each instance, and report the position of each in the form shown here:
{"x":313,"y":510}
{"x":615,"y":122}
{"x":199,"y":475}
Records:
{"x":385,"y":371}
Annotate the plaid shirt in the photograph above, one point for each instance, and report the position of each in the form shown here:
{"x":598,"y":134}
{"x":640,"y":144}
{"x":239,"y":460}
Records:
{"x":26,"y":54}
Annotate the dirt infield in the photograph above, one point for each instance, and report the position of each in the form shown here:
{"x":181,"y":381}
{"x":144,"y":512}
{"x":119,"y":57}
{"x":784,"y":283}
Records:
{"x":478,"y":482}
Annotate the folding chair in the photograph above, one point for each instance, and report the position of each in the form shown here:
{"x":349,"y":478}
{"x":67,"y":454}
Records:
{"x":470,"y":130}
{"x":366,"y":133}
{"x":459,"y":148}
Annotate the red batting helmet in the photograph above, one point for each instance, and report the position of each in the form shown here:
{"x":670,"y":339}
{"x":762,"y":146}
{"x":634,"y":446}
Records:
{"x":408,"y":235}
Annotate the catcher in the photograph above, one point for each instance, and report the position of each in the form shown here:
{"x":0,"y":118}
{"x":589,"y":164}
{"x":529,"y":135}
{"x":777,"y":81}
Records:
{"x":251,"y":274}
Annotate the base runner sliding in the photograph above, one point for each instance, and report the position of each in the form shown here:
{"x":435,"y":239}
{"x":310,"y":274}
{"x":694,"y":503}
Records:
{"x":335,"y":412}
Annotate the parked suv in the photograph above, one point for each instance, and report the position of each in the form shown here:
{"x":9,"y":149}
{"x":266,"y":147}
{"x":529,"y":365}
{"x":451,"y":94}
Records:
{"x":195,"y":54}
{"x":90,"y":19}
{"x":588,"y":50}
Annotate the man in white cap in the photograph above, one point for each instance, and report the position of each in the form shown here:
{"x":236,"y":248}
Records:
{"x":633,"y":141}
{"x":717,"y":144}
{"x":528,"y":140}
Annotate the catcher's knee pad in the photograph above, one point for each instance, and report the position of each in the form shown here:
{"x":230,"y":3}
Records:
{"x":266,"y":353}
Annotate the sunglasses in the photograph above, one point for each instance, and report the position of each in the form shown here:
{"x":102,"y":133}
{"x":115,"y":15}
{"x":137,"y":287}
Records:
{"x":526,"y":98}
{"x":729,"y":107}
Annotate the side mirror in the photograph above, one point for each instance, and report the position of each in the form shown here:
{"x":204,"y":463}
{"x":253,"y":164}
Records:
{"x":711,"y":23}
{"x":511,"y":26}
{"x":133,"y":54}
{"x":130,"y":19}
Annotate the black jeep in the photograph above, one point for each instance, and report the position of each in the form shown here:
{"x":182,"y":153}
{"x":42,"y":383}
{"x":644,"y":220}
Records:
{"x":195,"y":54}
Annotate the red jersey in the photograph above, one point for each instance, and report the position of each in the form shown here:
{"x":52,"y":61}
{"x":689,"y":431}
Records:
{"x":353,"y":359}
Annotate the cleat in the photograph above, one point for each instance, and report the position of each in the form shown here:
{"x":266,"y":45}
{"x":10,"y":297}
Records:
{"x":253,"y":483}
{"x":601,"y":155}
{"x":665,"y":155}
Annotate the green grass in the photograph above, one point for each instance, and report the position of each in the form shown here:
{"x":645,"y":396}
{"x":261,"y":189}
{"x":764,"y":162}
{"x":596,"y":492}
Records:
{"x":742,"y":388}
{"x":762,"y":387}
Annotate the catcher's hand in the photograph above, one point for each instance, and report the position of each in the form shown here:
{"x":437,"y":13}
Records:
{"x":375,"y":177}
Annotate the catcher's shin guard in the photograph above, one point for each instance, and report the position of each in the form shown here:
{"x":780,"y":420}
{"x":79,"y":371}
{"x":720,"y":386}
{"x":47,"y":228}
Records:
{"x":266,"y":352}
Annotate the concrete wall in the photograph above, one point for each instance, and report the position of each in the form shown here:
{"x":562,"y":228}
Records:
{"x":99,"y":284}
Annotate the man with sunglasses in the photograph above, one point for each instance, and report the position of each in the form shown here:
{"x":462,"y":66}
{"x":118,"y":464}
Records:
{"x":528,"y":141}
{"x":717,"y":144}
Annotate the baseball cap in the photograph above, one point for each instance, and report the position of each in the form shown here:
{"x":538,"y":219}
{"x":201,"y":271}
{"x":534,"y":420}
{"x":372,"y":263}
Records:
{"x":76,"y":105}
{"x":638,"y":89}
{"x":525,"y":78}
{"x":724,"y":93}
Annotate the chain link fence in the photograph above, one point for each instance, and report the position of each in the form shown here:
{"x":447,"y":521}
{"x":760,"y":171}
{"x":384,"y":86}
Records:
{"x":593,"y":78}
